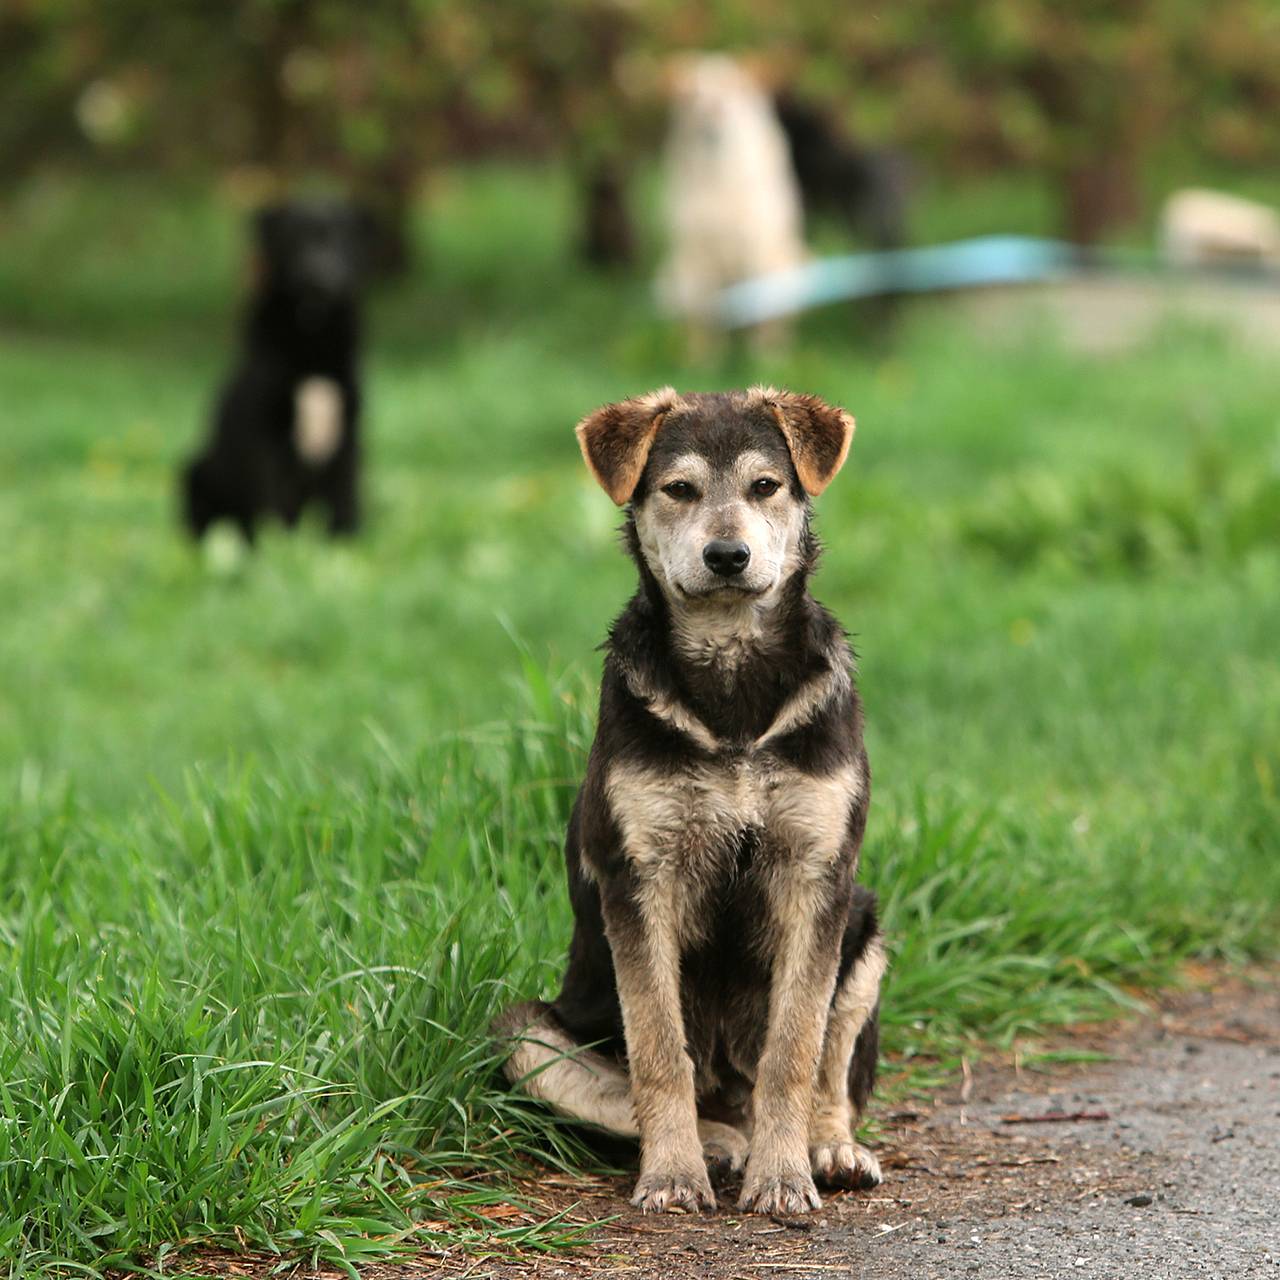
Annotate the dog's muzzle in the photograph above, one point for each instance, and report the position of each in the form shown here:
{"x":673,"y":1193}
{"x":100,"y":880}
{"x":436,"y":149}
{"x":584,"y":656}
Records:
{"x":726,"y":558}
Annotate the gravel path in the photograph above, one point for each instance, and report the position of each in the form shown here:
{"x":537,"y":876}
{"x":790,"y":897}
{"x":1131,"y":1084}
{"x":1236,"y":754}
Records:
{"x":1180,"y":1179}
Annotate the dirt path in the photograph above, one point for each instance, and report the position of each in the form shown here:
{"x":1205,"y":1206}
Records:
{"x":1168,"y":1167}
{"x":1181,"y":1178}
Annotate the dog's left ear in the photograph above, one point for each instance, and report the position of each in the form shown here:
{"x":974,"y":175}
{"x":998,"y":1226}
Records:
{"x":616,"y":439}
{"x":818,"y":435}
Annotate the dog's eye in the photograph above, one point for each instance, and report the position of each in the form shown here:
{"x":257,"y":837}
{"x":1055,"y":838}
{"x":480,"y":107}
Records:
{"x":764,"y":487}
{"x":680,"y":489}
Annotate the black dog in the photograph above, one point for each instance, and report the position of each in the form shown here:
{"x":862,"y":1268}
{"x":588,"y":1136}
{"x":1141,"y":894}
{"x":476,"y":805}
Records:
{"x":722,"y":990}
{"x":867,"y":188}
{"x":285,"y":433}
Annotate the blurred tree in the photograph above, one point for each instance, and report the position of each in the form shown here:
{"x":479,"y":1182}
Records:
{"x":375,"y":95}
{"x":1082,"y":92}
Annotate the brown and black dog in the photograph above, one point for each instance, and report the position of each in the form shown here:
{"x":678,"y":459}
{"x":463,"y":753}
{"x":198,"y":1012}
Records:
{"x":722,"y":992}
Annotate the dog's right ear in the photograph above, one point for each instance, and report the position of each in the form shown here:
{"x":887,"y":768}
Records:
{"x":616,"y":439}
{"x":270,"y":227}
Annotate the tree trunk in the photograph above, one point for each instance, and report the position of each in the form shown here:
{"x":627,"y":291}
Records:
{"x":606,"y":238}
{"x":1098,"y":195}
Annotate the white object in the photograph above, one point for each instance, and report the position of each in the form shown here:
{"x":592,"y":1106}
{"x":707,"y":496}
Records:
{"x":1201,"y":228}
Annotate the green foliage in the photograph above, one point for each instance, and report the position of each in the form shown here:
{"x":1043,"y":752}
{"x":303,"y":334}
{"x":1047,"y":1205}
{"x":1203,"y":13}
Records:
{"x":1130,"y":520}
{"x":275,"y":845}
{"x":1088,"y":94}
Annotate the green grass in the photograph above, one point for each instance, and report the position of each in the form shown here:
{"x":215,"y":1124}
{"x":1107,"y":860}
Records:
{"x":276,"y":843}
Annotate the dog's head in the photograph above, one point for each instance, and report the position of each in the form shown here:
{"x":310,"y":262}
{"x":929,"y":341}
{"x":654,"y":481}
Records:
{"x":718,"y":485}
{"x":316,"y":250}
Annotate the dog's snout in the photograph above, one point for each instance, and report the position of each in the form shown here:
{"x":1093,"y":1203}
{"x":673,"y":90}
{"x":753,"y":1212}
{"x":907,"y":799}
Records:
{"x":726,"y":557}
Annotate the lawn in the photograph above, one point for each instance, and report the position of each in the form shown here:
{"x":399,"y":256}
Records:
{"x":279,"y":837}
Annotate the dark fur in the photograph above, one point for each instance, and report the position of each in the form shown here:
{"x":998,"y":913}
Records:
{"x":303,"y":321}
{"x":866,"y":188}
{"x":725,"y":979}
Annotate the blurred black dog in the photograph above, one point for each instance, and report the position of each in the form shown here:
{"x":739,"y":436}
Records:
{"x":285,"y":433}
{"x":867,"y":188}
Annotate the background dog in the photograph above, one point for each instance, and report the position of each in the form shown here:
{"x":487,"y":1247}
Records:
{"x":724,"y":964}
{"x":733,"y":208}
{"x":285,"y":432}
{"x":866,"y":188}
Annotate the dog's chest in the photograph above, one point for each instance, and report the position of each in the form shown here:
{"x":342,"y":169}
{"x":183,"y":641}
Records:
{"x":317,"y":419}
{"x":691,"y":821}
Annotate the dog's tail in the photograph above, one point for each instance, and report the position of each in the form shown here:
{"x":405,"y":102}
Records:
{"x":866,"y":1056}
{"x":547,"y":1063}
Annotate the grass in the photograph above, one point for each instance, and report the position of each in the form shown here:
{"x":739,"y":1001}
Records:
{"x":275,"y":843}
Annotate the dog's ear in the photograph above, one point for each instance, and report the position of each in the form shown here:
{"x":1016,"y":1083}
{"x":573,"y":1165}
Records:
{"x":268,"y":223}
{"x":817,"y":434}
{"x":616,"y":438}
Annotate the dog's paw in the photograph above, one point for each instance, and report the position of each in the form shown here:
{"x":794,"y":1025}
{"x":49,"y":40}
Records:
{"x":782,"y":1191}
{"x":846,"y":1165}
{"x":665,"y":1191}
{"x":725,"y":1149}
{"x":722,"y":1169}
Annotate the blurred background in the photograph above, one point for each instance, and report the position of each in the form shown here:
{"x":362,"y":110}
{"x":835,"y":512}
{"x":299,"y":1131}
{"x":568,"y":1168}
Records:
{"x":297,"y":809}
{"x":512,"y":155}
{"x":1097,"y":112}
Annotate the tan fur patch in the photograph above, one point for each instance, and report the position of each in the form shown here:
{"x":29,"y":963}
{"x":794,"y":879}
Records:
{"x":646,"y":965}
{"x":778,"y":1176}
{"x":805,"y":704}
{"x":671,"y":711}
{"x":317,"y":420}
{"x":679,"y":830}
{"x":798,"y":711}
{"x":832,"y":1119}
{"x":549,"y":1064}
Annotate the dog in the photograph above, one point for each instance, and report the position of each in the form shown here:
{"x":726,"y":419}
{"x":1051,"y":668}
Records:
{"x":733,"y":208}
{"x":866,"y":188}
{"x":285,"y":430}
{"x":721,"y":998}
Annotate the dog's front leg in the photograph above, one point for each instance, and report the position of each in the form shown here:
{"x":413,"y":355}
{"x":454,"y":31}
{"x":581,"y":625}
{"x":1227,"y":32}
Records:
{"x":640,"y":922}
{"x":806,"y":957}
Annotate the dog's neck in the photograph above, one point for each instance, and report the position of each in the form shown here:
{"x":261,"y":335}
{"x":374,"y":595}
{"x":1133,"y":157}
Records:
{"x":312,"y":339}
{"x":734,"y":664}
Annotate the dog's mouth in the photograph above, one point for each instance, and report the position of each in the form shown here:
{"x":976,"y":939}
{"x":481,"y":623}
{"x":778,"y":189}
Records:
{"x":722,"y":591}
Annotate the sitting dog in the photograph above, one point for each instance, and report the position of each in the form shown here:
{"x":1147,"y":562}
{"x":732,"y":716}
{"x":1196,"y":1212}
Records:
{"x":722,"y":992}
{"x":285,"y":429}
{"x":733,"y":207}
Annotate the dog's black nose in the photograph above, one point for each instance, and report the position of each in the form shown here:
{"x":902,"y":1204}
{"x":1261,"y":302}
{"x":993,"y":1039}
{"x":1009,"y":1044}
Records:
{"x":725,"y":557}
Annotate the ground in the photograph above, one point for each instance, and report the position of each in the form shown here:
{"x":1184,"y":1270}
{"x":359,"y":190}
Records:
{"x":1163,"y":1160}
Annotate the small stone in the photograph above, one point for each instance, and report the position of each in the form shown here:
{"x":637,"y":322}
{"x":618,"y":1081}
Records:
{"x":1139,"y":1202}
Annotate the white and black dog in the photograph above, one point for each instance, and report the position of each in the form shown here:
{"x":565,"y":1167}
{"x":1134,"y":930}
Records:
{"x":285,"y":430}
{"x":722,"y":992}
